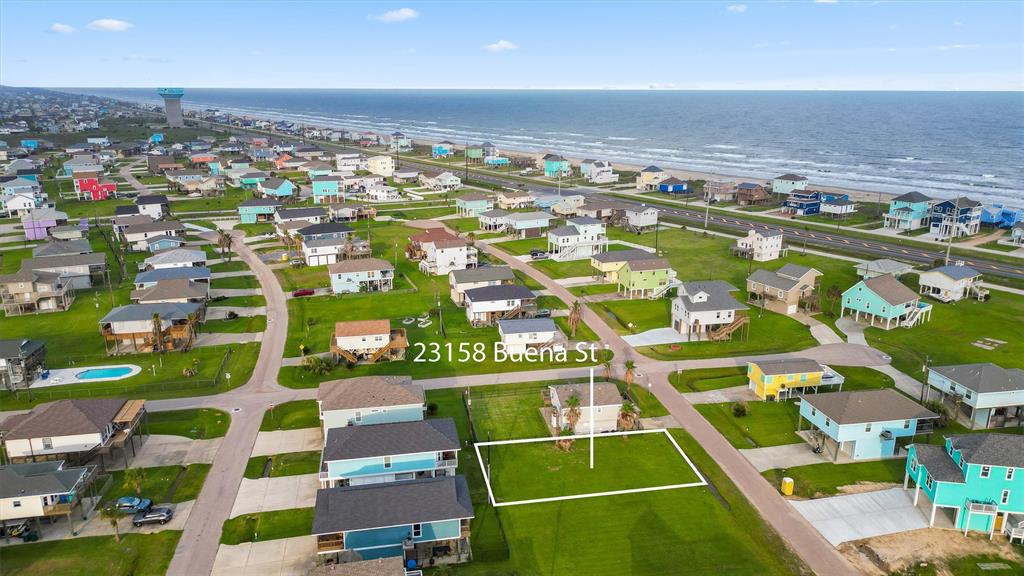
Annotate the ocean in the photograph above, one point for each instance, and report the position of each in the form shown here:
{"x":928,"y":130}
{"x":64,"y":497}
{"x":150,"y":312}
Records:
{"x":943,"y":144}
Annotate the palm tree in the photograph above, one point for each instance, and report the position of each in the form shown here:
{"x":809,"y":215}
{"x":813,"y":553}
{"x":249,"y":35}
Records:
{"x":565,"y":443}
{"x":158,"y":334}
{"x":224,"y":241}
{"x":629,"y":416}
{"x":607,"y":369}
{"x":833,"y":294}
{"x":572,"y":411}
{"x":630,"y":372}
{"x":112,"y":514}
{"x":134,"y":477}
{"x":575,"y":317}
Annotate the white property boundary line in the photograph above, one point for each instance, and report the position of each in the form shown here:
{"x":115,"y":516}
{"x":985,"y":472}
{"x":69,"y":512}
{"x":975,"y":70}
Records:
{"x":496,"y":504}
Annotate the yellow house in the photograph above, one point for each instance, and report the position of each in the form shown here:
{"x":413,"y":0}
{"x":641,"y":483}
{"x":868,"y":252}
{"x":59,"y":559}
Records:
{"x":608,"y":264}
{"x":778,"y":378}
{"x":648,"y":179}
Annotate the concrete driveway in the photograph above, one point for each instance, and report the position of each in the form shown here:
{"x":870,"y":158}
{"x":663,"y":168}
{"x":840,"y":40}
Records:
{"x":785,"y":456}
{"x":655,"y":337}
{"x":857,"y":516}
{"x":284,"y":557}
{"x":281,"y":441}
{"x":167,"y":450}
{"x":282,"y":493}
{"x":731,"y":394}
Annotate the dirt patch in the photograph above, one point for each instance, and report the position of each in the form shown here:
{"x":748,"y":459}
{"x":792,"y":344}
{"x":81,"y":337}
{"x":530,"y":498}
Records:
{"x":861,"y":487}
{"x":883,"y":555}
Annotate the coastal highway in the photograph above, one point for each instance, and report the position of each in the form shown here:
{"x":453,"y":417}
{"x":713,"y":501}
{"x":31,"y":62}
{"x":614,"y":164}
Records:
{"x":795,"y":236}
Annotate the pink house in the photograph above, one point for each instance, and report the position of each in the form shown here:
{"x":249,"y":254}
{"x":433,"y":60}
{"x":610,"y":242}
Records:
{"x":38,"y":222}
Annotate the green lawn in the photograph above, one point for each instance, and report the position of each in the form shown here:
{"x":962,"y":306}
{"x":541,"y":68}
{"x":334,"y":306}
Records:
{"x":292,"y":278}
{"x":248,"y":301}
{"x":772,"y":333}
{"x":583,"y":332}
{"x":195,"y":423}
{"x":570,"y":269}
{"x":551,"y":303}
{"x":525,"y":280}
{"x":463,"y":224}
{"x":263,"y":526}
{"x":288,"y":464}
{"x":89,"y":209}
{"x":947,"y":338}
{"x":591,"y":289}
{"x":862,"y":378}
{"x":135,"y":555}
{"x":237,"y":325}
{"x":995,"y":245}
{"x":703,"y":379}
{"x":292,"y":416}
{"x":233,"y":266}
{"x":867,"y":212}
{"x":819,"y":480}
{"x":544,"y":470}
{"x":256,"y":229}
{"x":162,"y":484}
{"x":235,"y":282}
{"x":766,"y":423}
{"x":632,"y":316}
{"x":523,"y":246}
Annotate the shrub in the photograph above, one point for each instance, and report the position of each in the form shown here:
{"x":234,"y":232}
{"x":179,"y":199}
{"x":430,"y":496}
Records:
{"x":739,"y":409}
{"x":432,"y":408}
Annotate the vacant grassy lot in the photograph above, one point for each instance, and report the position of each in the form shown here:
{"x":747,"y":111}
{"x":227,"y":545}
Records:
{"x":135,"y":555}
{"x":291,"y":416}
{"x":195,"y":423}
{"x":819,"y":480}
{"x":263,"y":526}
{"x":766,"y":423}
{"x":463,"y":224}
{"x":161,"y":484}
{"x":768,"y":334}
{"x":240,"y":301}
{"x":632,"y":316}
{"x":521,"y":247}
{"x":236,"y":325}
{"x":288,"y":464}
{"x":233,"y":266}
{"x":235,"y":282}
{"x":570,"y":269}
{"x":703,"y":379}
{"x":544,"y":470}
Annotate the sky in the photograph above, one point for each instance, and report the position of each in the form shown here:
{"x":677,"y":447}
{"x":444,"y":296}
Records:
{"x":751,"y":45}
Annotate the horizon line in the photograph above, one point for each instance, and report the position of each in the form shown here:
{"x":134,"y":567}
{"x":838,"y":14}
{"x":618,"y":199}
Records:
{"x":532,"y":88}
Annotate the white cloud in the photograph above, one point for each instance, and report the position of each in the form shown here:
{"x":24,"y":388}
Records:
{"x":400,"y":15}
{"x":826,"y":1}
{"x":958,"y":23}
{"x":109,"y":25}
{"x":145,"y":58}
{"x":61,"y":28}
{"x":737,"y":8}
{"x":501,"y":46}
{"x":958,"y":47}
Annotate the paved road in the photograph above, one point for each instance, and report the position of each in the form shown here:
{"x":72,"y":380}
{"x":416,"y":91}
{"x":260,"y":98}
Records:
{"x":126,"y":173}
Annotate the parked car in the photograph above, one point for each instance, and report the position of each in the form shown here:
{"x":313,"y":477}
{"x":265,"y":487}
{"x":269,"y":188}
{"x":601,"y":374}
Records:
{"x":303,"y":292}
{"x":158,"y":515}
{"x":538,"y":254}
{"x":543,"y":313}
{"x":132,"y":504}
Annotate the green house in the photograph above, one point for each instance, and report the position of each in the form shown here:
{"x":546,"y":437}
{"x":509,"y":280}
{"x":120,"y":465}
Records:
{"x":974,"y":482}
{"x":650,"y":277}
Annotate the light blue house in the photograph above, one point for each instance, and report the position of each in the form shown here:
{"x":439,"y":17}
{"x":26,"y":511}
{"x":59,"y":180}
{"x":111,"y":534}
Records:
{"x":277,"y":187}
{"x":361,"y":275}
{"x":419,"y":520}
{"x":885,"y":302}
{"x":252,"y":180}
{"x":258,"y":210}
{"x":442,"y":149}
{"x":472,"y":204}
{"x":555,"y":166}
{"x":974,"y":482}
{"x":216,"y":168}
{"x":1001,"y":216}
{"x":164,"y":242}
{"x":157,"y":138}
{"x":378,"y":453}
{"x":910,"y":211}
{"x":326,"y":189}
{"x":987,"y":395}
{"x":369,"y":400}
{"x":496,"y":161}
{"x":864,"y":424}
{"x":528,"y":224}
{"x":30,"y":144}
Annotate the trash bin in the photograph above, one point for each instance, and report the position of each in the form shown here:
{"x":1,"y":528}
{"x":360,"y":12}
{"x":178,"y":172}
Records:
{"x":787,"y":486}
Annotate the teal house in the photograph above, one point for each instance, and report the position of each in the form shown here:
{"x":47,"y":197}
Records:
{"x":326,"y":189}
{"x":555,"y":166}
{"x":974,"y":482}
{"x":277,"y":187}
{"x":423,"y":521}
{"x":252,"y":180}
{"x":258,"y":210}
{"x":442,"y":149}
{"x":473,"y":204}
{"x":370,"y":400}
{"x":216,"y":168}
{"x":885,"y":303}
{"x":376,"y":453}
{"x":910,"y":211}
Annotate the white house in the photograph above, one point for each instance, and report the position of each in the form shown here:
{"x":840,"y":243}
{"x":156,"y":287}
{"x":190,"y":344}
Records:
{"x":579,"y":239}
{"x":447,"y":254}
{"x":951,"y":283}
{"x":381,"y":193}
{"x":65,"y":428}
{"x":443,"y":182}
{"x":520,"y":334}
{"x":381,"y":165}
{"x":639,"y":219}
{"x":703,"y":307}
{"x":607,"y":404}
{"x":512,"y":199}
{"x":599,"y":172}
{"x":371,"y":340}
{"x":493,"y":220}
{"x":760,"y":245}
{"x":350,"y":161}
{"x":461,"y":280}
{"x":527,"y":224}
{"x":174,"y":258}
{"x":788,"y":183}
{"x":838,"y":208}
{"x":322,"y":251}
{"x":155,"y":206}
{"x":486,"y":305}
{"x":136,"y":236}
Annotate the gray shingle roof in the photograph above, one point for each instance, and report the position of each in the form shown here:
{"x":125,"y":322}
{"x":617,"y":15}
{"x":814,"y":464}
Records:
{"x":938,"y":463}
{"x":793,"y":270}
{"x":136,"y":312}
{"x":496,"y":213}
{"x":788,"y":366}
{"x":295,"y":213}
{"x":623,"y":256}
{"x":991,"y":449}
{"x":956,"y":272}
{"x":190,"y":272}
{"x":890,"y":289}
{"x":499,"y":292}
{"x":718,"y":292}
{"x":16,"y":348}
{"x":984,"y":377}
{"x":173,"y":289}
{"x":772,"y":279}
{"x":791,"y":177}
{"x":564,"y":231}
{"x":325,"y":228}
{"x":38,"y":479}
{"x":391,"y":504}
{"x":369,"y":392}
{"x":607,"y":394}
{"x":151,"y":199}
{"x":527,"y":216}
{"x":376,"y":440}
{"x":527,"y":325}
{"x":63,"y":418}
{"x":912,"y":198}
{"x":483,"y":274}
{"x":49,"y":249}
{"x":864,"y":406}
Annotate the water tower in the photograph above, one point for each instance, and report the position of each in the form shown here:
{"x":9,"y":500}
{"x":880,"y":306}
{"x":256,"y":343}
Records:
{"x":172,"y":104}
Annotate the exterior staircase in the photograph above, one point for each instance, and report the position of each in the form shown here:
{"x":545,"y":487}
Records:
{"x":725,"y":332}
{"x":913,"y":316}
{"x":672,"y":283}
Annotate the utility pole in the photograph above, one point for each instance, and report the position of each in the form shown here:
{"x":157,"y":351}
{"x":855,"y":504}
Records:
{"x":949,"y":245}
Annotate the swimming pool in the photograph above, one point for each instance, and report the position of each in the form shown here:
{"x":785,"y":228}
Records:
{"x":104,"y":373}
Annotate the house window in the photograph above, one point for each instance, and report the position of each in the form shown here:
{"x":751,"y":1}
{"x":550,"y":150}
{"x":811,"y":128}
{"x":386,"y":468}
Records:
{"x":359,"y":416}
{"x":803,"y":377}
{"x":967,"y":394}
{"x":814,"y":411}
{"x":867,"y":427}
{"x":1005,"y":498}
{"x":906,"y":424}
{"x":387,"y":462}
{"x":985,"y":471}
{"x":913,"y":464}
{"x":828,"y":422}
{"x":16,"y":504}
{"x":1009,"y":473}
{"x":47,"y":443}
{"x":928,"y":482}
{"x":417,"y":530}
